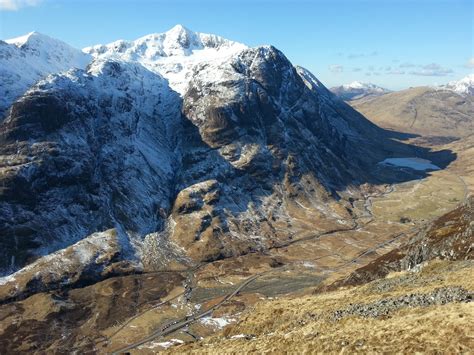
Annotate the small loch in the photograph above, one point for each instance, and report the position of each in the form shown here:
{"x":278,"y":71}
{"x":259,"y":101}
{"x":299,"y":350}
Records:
{"x":412,"y":163}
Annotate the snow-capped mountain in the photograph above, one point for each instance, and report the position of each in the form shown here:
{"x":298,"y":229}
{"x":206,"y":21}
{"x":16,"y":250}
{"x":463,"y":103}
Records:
{"x":464,"y":86}
{"x":172,"y":54}
{"x":357,"y":90}
{"x":27,"y":59}
{"x":190,"y":146}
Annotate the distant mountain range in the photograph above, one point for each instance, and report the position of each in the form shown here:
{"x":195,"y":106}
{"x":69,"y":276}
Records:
{"x":446,"y":110}
{"x":358,"y":90}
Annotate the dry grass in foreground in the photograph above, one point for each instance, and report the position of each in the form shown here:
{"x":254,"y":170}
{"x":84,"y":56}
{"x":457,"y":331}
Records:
{"x":429,"y":311}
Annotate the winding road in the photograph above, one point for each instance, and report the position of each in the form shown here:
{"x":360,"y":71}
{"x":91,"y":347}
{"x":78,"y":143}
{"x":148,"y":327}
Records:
{"x":179,"y":324}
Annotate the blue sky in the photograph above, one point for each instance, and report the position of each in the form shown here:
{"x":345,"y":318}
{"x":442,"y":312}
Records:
{"x":395,"y":44}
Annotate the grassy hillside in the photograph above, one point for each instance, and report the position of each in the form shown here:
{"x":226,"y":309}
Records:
{"x":421,"y":110}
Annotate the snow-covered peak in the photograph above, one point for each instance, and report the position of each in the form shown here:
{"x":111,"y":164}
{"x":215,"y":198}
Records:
{"x":51,"y":52}
{"x":358,"y":90}
{"x":25,"y":60}
{"x":361,"y":85}
{"x":33,"y":39}
{"x":465,"y":86}
{"x":173,"y":54}
{"x":19,"y":41}
{"x":179,"y":31}
{"x":355,"y":85}
{"x":178,"y":41}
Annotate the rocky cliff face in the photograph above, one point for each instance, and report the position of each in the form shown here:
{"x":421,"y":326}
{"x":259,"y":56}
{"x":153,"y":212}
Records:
{"x":192,"y":147}
{"x":260,"y":140}
{"x":82,"y":152}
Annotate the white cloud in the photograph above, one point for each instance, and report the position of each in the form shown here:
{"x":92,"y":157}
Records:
{"x":14,"y":5}
{"x":336,"y":68}
{"x":432,"y":69}
{"x":470,"y":63}
{"x":396,"y":72}
{"x":359,"y":55}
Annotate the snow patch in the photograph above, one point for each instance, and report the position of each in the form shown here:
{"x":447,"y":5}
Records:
{"x":7,"y":279}
{"x":164,"y":344}
{"x":217,"y":322}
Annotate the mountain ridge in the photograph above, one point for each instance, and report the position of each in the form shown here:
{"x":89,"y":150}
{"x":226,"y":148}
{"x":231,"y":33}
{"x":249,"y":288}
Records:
{"x":173,"y":53}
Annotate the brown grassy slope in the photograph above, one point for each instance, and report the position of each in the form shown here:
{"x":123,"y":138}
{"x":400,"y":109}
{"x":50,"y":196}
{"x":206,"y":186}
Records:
{"x":308,"y":325}
{"x":421,"y":110}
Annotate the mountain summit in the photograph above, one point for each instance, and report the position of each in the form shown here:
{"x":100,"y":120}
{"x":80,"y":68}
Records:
{"x":172,"y":54}
{"x":25,"y":60}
